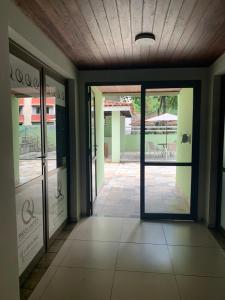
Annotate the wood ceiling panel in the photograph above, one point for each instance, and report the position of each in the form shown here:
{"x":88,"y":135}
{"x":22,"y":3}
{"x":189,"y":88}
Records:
{"x":181,"y":23}
{"x":123,"y":7}
{"x":110,"y":7}
{"x":169,"y":26}
{"x":80,"y":23}
{"x":101,"y":33}
{"x":101,"y":18}
{"x":191,"y":26}
{"x":136,"y":16}
{"x":93,"y":27}
{"x":162,"y":8}
{"x":149,"y":8}
{"x":207,"y":29}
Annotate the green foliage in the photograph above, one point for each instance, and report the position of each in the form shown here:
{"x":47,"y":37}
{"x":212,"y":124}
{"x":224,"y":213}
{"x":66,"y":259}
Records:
{"x":136,"y":104}
{"x":156,"y":104}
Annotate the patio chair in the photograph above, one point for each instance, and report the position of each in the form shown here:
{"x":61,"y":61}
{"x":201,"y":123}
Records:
{"x":154,"y":151}
{"x":171,"y":148}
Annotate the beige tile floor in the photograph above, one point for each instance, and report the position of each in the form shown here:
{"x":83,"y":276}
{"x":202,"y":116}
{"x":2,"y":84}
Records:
{"x":128,"y":259}
{"x":120,"y":194}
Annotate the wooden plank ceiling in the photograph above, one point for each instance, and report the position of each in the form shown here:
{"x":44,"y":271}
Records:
{"x":99,"y":34}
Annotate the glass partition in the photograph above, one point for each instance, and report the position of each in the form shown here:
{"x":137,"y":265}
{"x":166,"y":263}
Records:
{"x":55,"y":119}
{"x":27,"y":152}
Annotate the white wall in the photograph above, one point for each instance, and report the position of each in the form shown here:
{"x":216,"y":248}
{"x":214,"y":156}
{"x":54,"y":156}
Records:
{"x":137,"y":75}
{"x":9,"y":285}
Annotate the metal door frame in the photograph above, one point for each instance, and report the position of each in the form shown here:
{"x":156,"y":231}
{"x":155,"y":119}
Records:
{"x":194,"y":164}
{"x":44,"y":70}
{"x":91,"y":159}
{"x":196,"y":85}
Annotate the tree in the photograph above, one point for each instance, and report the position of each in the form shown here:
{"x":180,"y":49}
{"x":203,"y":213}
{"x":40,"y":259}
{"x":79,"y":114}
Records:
{"x":156,"y":104}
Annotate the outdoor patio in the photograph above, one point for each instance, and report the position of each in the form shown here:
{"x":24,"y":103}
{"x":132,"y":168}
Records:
{"x":120,"y":194}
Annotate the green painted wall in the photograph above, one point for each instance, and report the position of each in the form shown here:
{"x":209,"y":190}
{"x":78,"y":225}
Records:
{"x":99,"y":109}
{"x":15,"y":128}
{"x":131,"y":143}
{"x":115,"y":136}
{"x":122,"y":133}
{"x":108,"y":126}
{"x":184,"y":150}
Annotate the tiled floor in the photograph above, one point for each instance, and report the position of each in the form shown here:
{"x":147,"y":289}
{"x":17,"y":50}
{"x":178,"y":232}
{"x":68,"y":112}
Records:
{"x":127,"y":259}
{"x":120,"y":194}
{"x":38,"y":272}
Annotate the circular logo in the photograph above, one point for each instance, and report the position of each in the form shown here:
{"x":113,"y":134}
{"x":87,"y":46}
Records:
{"x":27,"y":212}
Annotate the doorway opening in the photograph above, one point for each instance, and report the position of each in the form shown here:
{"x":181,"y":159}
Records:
{"x":115,"y":150}
{"x":144,"y":141}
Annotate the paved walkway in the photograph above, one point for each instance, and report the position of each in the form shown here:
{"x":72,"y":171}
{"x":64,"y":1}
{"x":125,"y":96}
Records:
{"x":120,"y":194}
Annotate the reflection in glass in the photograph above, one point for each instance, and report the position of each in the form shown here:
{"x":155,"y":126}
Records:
{"x":167,"y":189}
{"x":56,"y":153}
{"x":27,"y":149}
{"x":168,"y":124}
{"x":29,"y":222}
{"x":26,"y":116}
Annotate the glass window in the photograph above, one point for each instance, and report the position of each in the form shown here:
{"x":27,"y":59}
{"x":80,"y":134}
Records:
{"x":167,"y":189}
{"x":27,"y":149}
{"x":168,"y":125}
{"x":56,"y":153}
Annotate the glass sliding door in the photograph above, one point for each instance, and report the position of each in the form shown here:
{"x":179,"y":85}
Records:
{"x":167,"y":143}
{"x":56,"y":163}
{"x":28,"y":162}
{"x":38,"y":101}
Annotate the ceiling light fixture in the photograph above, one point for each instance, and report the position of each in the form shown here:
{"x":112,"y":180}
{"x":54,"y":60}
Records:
{"x":145,"y":38}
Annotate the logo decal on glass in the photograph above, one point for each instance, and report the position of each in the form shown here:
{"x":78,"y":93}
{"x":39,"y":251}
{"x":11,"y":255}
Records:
{"x":27,"y":212}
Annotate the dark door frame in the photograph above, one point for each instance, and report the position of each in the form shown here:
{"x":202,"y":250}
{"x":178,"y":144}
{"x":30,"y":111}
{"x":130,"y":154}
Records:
{"x":91,"y":159}
{"x":221,"y":146}
{"x":44,"y":70}
{"x":196,"y":85}
{"x":194,"y":164}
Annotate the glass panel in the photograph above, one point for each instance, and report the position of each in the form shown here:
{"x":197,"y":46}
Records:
{"x":167,"y":189}
{"x":168,"y":124}
{"x":56,"y":153}
{"x":27,"y":149}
